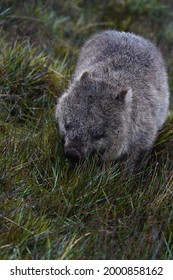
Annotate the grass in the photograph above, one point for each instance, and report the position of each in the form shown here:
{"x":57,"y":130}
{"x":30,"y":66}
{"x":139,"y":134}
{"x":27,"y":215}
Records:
{"x":51,"y":209}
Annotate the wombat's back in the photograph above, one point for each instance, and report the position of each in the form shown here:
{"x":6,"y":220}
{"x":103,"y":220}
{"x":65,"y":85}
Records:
{"x":132,"y":61}
{"x":118,"y":46}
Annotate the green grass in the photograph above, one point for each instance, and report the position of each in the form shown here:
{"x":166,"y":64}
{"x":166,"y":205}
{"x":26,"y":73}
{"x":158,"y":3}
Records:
{"x":50,"y":208}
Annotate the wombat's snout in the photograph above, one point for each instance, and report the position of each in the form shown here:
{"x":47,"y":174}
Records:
{"x":72,"y":154}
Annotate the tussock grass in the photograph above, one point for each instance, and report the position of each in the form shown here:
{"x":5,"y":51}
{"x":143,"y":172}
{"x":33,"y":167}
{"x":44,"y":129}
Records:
{"x":24,"y":80}
{"x":50,"y":208}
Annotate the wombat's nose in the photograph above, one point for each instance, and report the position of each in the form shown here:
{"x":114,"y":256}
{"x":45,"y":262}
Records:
{"x":72,"y":154}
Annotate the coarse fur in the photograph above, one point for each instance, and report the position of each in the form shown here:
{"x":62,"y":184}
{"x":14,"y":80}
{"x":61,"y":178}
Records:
{"x":118,"y":98}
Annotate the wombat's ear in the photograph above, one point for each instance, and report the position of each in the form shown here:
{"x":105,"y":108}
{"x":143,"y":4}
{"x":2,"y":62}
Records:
{"x":84,"y":76}
{"x":124,"y":96}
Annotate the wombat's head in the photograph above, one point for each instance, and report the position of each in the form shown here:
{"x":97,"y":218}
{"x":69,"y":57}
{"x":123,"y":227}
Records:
{"x":90,"y":117}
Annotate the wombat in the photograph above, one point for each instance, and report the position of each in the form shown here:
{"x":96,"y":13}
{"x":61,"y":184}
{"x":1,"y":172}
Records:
{"x":118,"y":98}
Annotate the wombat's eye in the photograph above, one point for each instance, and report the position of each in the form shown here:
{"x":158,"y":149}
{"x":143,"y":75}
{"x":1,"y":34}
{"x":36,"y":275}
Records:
{"x":67,"y":126}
